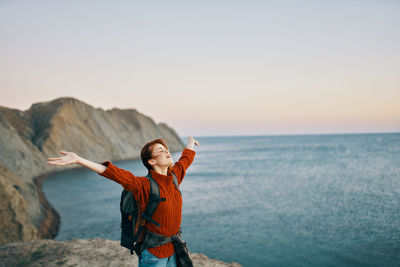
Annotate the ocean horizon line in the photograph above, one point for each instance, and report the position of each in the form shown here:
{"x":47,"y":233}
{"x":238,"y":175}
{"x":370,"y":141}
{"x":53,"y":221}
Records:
{"x":296,"y":134}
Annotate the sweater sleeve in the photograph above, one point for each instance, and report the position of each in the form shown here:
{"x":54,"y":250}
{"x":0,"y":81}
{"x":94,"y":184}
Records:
{"x":183,"y":163}
{"x":125,"y":178}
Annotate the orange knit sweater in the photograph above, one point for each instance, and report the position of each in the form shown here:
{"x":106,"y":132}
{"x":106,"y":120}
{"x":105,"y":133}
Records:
{"x":169,"y":212}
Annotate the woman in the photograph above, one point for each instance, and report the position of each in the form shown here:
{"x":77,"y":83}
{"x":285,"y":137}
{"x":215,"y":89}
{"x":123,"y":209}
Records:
{"x":157,"y":159}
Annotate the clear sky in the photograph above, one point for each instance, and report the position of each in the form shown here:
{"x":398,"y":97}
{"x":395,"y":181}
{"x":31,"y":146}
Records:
{"x":211,"y":67}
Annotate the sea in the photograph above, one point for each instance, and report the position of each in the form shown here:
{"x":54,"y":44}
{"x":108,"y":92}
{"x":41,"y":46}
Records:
{"x":289,"y":200}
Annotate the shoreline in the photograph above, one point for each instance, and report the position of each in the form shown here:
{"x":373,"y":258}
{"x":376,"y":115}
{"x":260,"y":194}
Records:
{"x":50,"y":223}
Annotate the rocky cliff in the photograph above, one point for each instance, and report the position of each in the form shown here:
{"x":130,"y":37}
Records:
{"x":28,"y":138}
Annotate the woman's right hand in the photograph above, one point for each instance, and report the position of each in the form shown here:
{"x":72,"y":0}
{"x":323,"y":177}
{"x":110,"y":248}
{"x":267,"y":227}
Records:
{"x":67,"y":159}
{"x":192,"y":142}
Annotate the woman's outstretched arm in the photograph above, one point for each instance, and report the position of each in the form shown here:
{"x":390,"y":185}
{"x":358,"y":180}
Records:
{"x":106,"y":169}
{"x":72,"y":158}
{"x":185,"y":160}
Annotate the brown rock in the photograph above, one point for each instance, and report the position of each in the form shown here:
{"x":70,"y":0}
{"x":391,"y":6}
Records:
{"x":14,"y":222}
{"x":80,"y":252}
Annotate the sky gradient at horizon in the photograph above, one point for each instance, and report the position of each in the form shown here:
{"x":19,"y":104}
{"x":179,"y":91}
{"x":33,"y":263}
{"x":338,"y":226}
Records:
{"x":211,"y":67}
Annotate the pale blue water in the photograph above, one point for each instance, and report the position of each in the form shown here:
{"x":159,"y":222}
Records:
{"x":310,"y":200}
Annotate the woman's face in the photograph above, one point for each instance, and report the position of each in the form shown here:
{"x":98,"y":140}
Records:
{"x":161,"y":155}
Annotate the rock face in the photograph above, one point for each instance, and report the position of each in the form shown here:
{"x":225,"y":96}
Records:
{"x":28,"y":138}
{"x":15,"y":222}
{"x":80,"y":252}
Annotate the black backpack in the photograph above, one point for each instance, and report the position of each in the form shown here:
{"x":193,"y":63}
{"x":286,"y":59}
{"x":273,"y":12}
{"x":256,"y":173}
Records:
{"x":133,"y":219}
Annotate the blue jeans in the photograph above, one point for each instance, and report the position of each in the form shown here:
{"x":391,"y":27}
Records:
{"x":149,"y":260}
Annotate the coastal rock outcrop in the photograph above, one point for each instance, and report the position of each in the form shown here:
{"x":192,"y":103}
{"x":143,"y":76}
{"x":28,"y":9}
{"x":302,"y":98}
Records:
{"x":81,"y":252}
{"x":28,"y":138}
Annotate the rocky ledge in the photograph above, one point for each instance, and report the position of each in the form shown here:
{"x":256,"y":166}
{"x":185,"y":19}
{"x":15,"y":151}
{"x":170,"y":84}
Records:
{"x":80,"y":252}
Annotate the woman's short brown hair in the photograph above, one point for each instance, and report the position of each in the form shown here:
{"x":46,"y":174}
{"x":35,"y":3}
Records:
{"x":146,"y":153}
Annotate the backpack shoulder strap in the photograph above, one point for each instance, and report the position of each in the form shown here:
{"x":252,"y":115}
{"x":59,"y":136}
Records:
{"x":175,"y":180}
{"x":154,"y":199}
